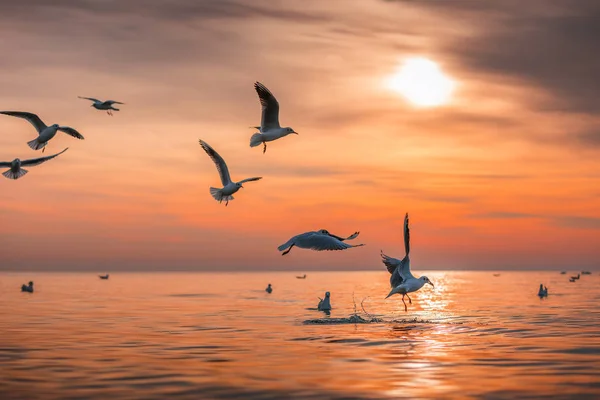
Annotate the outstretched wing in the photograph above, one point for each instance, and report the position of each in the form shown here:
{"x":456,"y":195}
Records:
{"x":219,"y":162}
{"x":320,"y":242}
{"x":38,"y":161}
{"x":5,"y":164}
{"x":71,"y":132}
{"x":406,"y":235}
{"x":400,"y":269}
{"x":33,"y":119}
{"x":270,"y":107}
{"x":113,"y":102}
{"x":250,"y":179}
{"x":91,"y":98}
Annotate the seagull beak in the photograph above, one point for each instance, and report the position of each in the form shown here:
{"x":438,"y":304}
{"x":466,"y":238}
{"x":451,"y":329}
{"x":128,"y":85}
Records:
{"x":241,"y":186}
{"x":431,"y":284}
{"x":295,"y":132}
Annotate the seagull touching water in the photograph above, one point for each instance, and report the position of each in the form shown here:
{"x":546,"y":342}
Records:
{"x":269,"y":125}
{"x":229,"y":187}
{"x":45,"y":133}
{"x":402,"y":280}
{"x":320,"y":240}
{"x":15,"y":171}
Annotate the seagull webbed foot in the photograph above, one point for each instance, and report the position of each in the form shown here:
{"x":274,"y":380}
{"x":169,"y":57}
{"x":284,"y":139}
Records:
{"x":287,"y":251}
{"x":264,"y":148}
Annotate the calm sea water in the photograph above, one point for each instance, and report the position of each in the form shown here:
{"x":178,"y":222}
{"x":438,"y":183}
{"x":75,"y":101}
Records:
{"x":205,"y":335}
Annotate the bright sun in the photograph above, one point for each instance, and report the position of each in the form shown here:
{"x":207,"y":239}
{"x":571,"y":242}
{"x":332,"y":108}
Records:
{"x":422,"y":82}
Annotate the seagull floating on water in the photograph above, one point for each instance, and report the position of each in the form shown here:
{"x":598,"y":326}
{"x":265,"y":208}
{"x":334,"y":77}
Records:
{"x":543,"y":292}
{"x":402,"y":280}
{"x":27,"y":288}
{"x":319,"y":240}
{"x":301,"y":277}
{"x":325,"y":304}
{"x":269,"y":125}
{"x":103,"y":276}
{"x":45,"y":133}
{"x":269,"y":289}
{"x":229,"y":187}
{"x":103,"y":105}
{"x":16,"y":171}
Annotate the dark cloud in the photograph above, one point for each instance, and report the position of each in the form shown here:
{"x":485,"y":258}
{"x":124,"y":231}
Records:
{"x":502,"y":215}
{"x":568,"y":221}
{"x":577,"y":222}
{"x":551,"y":44}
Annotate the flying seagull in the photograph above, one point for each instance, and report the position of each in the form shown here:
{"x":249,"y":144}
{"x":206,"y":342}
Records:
{"x":269,"y":125}
{"x":229,"y":187}
{"x":15,"y":171}
{"x":402,"y":280}
{"x":319,"y":240}
{"x":103,"y":105}
{"x":45,"y":133}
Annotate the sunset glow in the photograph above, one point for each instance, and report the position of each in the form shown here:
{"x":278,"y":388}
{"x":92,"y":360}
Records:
{"x":422,"y":82}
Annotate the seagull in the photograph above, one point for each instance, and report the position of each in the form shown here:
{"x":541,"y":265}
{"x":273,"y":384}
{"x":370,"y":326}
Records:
{"x":319,"y":240}
{"x":269,"y":289}
{"x":229,"y":187}
{"x":402,"y":280}
{"x":103,"y":105}
{"x":269,"y":125}
{"x":325,"y":304}
{"x":15,"y":171}
{"x":543,"y":292}
{"x":45,"y":132}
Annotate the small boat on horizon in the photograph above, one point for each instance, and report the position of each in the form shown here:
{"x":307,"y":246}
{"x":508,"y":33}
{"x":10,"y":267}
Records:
{"x":496,"y":274}
{"x":563,"y":272}
{"x":586,"y":273}
{"x":301,"y":277}
{"x":103,"y":276}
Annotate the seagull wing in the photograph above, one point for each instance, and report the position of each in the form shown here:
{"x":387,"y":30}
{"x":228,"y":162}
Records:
{"x":406,"y":235}
{"x":400,"y":269}
{"x":270,"y":107}
{"x":219,"y":162}
{"x":319,"y":242}
{"x":71,"y":132}
{"x":91,"y":98}
{"x":250,"y":179}
{"x":38,"y":161}
{"x":113,"y":102}
{"x":33,"y":119}
{"x":4,"y":164}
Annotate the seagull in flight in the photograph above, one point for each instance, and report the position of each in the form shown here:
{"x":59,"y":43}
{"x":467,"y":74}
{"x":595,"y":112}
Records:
{"x":229,"y":187}
{"x":103,"y":105}
{"x":45,"y":133}
{"x":319,"y":240}
{"x":402,"y":280}
{"x":269,"y":125}
{"x":16,"y":171}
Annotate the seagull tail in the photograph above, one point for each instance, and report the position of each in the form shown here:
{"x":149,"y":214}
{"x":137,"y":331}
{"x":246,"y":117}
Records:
{"x":35,"y":145}
{"x":256,"y":140}
{"x":393,"y":291}
{"x":15,"y":175}
{"x":286,"y":245}
{"x":218,"y":195}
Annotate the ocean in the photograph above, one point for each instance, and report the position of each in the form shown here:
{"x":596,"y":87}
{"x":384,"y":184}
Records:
{"x":221,"y":336}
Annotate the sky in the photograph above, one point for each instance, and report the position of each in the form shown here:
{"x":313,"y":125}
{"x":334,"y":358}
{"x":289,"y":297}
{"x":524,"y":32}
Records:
{"x":504,"y":175}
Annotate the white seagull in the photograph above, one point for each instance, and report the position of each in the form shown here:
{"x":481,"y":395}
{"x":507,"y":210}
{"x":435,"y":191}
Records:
{"x":103,"y":105}
{"x":402,"y":280}
{"x":45,"y":133}
{"x":319,"y":240}
{"x":15,"y":171}
{"x":229,"y":187}
{"x":325,"y":304}
{"x":269,"y":125}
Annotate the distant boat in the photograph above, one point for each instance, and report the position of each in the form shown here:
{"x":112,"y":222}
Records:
{"x":301,"y":277}
{"x":563,"y":272}
{"x":496,"y":274}
{"x":586,"y":273}
{"x":576,"y":277}
{"x":103,"y":276}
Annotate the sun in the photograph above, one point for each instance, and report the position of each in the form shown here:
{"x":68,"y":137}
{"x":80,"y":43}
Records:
{"x":422,"y":82}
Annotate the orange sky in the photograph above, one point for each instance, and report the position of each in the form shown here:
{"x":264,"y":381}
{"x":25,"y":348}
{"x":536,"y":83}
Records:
{"x":506,"y":175}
